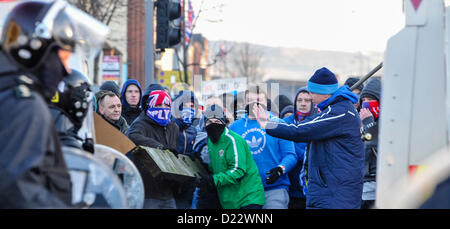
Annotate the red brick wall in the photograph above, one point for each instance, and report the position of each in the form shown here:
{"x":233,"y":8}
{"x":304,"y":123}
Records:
{"x":136,"y":40}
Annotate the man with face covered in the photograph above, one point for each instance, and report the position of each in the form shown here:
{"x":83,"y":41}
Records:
{"x":34,"y":58}
{"x":235,"y":173}
{"x":274,"y":157}
{"x":154,"y":128}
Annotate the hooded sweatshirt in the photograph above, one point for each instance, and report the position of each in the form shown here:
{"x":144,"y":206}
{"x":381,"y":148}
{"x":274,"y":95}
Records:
{"x":296,"y":189}
{"x":128,"y":112}
{"x":370,"y":125}
{"x":147,"y":92}
{"x":336,"y":154}
{"x":188,"y":133}
{"x":267,"y":151}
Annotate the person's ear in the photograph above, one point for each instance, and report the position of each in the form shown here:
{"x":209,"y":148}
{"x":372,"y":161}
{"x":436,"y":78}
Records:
{"x":100,"y":109}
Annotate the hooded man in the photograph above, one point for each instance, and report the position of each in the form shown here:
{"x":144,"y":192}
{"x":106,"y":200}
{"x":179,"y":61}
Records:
{"x":235,"y":173}
{"x":303,"y":110}
{"x":274,"y":157}
{"x":154,"y":128}
{"x":350,"y":82}
{"x":336,"y":154}
{"x":369,"y":114}
{"x":131,"y":100}
{"x":183,"y":112}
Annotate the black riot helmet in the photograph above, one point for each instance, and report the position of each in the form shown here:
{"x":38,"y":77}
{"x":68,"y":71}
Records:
{"x":33,"y":28}
{"x":74,"y":97}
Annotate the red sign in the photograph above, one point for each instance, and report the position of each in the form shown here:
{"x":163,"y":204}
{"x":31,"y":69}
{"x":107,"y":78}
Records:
{"x":111,"y":68}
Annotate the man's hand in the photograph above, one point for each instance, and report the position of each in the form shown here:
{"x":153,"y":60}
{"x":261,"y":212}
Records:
{"x":260,"y":116}
{"x":274,"y":173}
{"x":173,"y":150}
{"x":364,"y":113}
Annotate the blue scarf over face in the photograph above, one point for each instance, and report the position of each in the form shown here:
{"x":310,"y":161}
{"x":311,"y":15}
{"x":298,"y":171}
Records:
{"x":187,"y":115}
{"x":160,"y":115}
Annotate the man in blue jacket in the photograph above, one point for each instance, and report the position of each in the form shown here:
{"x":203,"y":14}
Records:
{"x":336,"y":156}
{"x":303,"y":110}
{"x":274,"y":157}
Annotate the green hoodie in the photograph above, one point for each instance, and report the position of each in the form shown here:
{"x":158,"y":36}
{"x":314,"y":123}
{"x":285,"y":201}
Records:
{"x":235,"y":172}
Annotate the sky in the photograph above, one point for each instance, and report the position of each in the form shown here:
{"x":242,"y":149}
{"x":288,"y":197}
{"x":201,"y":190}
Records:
{"x":338,"y":25}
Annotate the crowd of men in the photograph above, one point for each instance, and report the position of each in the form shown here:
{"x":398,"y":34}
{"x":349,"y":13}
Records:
{"x":315,"y":150}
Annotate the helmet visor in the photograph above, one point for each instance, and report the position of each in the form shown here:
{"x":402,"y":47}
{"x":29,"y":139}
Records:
{"x":72,"y":28}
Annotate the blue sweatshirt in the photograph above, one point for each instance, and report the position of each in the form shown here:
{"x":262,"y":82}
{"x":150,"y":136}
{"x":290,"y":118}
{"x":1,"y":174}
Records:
{"x":267,"y":151}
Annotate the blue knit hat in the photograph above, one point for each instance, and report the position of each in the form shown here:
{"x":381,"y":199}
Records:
{"x":323,"y":82}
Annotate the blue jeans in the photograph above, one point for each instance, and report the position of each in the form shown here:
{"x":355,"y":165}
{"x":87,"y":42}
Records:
{"x":276,"y":199}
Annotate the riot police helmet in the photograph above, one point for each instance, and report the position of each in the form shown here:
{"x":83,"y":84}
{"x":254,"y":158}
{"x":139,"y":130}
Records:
{"x":33,"y":28}
{"x":74,"y":96}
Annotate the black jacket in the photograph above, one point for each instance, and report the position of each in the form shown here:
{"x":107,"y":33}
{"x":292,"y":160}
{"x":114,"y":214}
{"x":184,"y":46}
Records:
{"x":186,"y":138}
{"x":370,"y":126}
{"x":131,"y":113}
{"x":120,"y":124}
{"x":146,"y":132}
{"x":33,"y":173}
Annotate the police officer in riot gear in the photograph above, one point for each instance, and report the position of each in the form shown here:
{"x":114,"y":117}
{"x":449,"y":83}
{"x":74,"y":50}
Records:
{"x":69,"y":107}
{"x":36,"y":42}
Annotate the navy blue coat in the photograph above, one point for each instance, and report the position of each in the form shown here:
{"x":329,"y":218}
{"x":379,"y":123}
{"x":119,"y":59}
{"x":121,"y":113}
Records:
{"x":336,"y":158}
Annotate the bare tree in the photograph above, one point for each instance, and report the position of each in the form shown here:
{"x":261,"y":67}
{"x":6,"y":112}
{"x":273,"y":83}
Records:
{"x":104,"y":11}
{"x":185,"y":47}
{"x":247,"y":62}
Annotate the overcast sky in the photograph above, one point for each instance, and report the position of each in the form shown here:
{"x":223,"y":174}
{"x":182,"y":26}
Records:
{"x":341,"y":25}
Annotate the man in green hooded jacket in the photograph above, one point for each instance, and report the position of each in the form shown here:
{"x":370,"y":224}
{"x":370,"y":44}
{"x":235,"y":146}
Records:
{"x":235,"y":173}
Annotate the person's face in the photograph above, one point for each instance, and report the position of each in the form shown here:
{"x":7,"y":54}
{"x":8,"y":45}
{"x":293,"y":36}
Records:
{"x":162,"y":106}
{"x":189,"y":105}
{"x":132,"y":95}
{"x":254,"y":97}
{"x":64,"y":55}
{"x":318,"y":98}
{"x":304,"y":102}
{"x":368,"y":99}
{"x":213,"y":120}
{"x":111,"y":108}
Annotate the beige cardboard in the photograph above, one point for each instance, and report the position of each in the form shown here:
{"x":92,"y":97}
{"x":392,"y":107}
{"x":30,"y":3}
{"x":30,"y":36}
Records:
{"x":108,"y":135}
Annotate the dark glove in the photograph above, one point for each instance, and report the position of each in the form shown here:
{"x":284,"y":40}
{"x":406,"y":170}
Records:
{"x":274,"y":174}
{"x":173,"y":150}
{"x":88,"y":145}
{"x":206,"y":182}
{"x":192,"y":156}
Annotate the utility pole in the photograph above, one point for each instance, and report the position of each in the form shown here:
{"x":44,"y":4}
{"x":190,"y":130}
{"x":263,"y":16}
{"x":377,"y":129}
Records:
{"x":183,"y":43}
{"x":149,"y":48}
